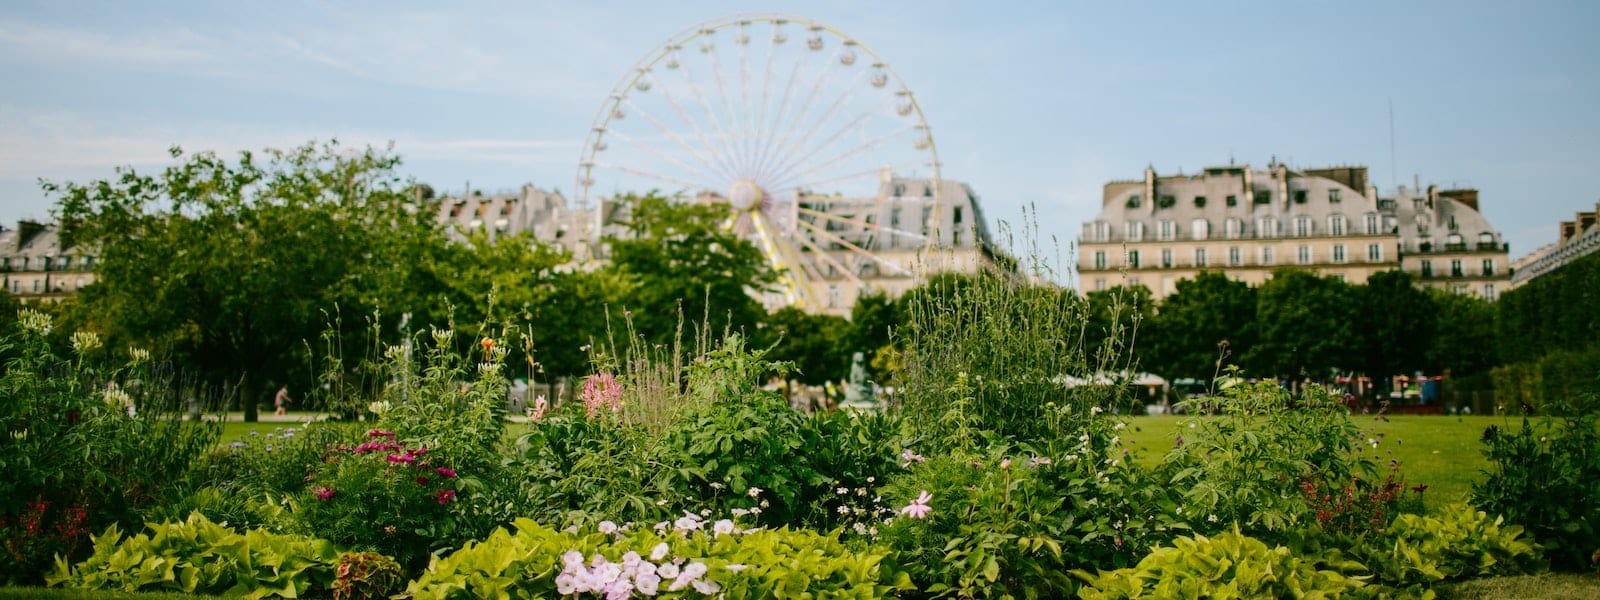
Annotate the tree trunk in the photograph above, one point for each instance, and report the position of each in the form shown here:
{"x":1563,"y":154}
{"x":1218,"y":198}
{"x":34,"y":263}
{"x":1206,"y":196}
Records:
{"x":249,"y":399}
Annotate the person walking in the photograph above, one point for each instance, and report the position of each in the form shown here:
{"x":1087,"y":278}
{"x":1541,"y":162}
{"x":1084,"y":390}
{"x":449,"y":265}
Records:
{"x":282,"y":401}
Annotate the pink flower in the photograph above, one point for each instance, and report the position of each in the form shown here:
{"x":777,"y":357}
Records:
{"x":401,"y":458}
{"x":380,"y":433}
{"x":601,"y":391}
{"x":918,"y":508}
{"x":444,"y":496}
{"x":445,"y":472}
{"x":911,"y":457}
{"x":325,"y":494}
{"x":537,"y":411}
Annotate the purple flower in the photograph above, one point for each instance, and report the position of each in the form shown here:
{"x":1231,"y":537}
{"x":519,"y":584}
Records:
{"x":444,"y":496}
{"x":445,"y":472}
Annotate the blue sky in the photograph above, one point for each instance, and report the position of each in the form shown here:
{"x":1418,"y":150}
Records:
{"x":1033,"y":104}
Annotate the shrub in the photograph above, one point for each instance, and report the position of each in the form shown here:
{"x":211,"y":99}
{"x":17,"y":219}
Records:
{"x":1545,"y":476}
{"x":1246,"y":465}
{"x":1230,"y":565}
{"x":75,"y":457}
{"x":672,"y":560}
{"x":385,"y":495}
{"x":249,"y":483}
{"x":1460,"y":543}
{"x":196,"y":556}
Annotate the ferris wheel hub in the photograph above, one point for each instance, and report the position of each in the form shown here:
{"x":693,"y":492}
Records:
{"x":746,"y":195}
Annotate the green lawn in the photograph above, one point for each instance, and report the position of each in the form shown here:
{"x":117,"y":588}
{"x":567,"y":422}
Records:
{"x":1441,"y":452}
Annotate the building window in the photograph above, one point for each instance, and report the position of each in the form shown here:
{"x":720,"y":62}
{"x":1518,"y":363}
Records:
{"x":1133,"y":201}
{"x":1233,"y":256}
{"x":1302,"y":226}
{"x":1488,"y":267}
{"x":1166,"y":201}
{"x":1232,"y":200}
{"x":1165,"y":230}
{"x":1132,"y":259}
{"x":1102,"y":229}
{"x":1100,"y":284}
{"x":1339,"y":277}
{"x":1427,"y":268}
{"x":36,"y":286}
{"x":1455,"y":268}
{"x":1333,"y":196}
{"x":1488,"y":291}
{"x":1338,"y":253}
{"x":1299,"y":196}
{"x":1303,"y":255}
{"x":1134,"y":231}
{"x":1233,"y":227}
{"x":1266,"y":227}
{"x":1372,"y":224}
{"x":1099,"y":259}
{"x":1374,"y":252}
{"x":1263,"y":197}
{"x":1199,"y":201}
{"x":957,"y":216}
{"x":1266,"y":255}
{"x":1336,"y":225}
{"x":1166,"y":258}
{"x":1200,"y":258}
{"x":1200,"y":229}
{"x":1459,"y":288}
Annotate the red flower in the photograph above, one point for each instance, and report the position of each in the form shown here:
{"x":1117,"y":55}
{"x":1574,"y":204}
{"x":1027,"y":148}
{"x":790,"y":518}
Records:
{"x":445,"y":471}
{"x":422,"y":480}
{"x":444,"y":496}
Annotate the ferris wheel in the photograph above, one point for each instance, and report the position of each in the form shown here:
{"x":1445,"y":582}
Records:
{"x":794,"y":126}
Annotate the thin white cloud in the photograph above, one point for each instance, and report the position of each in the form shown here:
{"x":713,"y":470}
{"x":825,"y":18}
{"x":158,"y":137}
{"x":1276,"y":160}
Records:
{"x":178,"y":46}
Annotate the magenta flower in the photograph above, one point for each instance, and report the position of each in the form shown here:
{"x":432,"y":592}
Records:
{"x":445,"y":472}
{"x":918,"y":508}
{"x":324,"y":494}
{"x":380,"y":433}
{"x":401,"y":458}
{"x":422,"y":480}
{"x":444,"y":496}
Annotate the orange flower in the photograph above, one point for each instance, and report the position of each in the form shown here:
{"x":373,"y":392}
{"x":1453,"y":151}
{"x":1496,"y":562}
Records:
{"x":488,"y":345}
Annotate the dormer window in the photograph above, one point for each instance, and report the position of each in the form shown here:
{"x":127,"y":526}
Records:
{"x":1133,"y":201}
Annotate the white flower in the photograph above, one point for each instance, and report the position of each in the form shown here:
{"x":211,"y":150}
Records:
{"x":717,"y":485}
{"x":659,"y":552}
{"x":84,"y":341}
{"x":1095,"y":410}
{"x":1119,"y":426}
{"x":842,"y":491}
{"x":667,"y":571}
{"x":647,"y":583}
{"x":753,"y":492}
{"x":138,"y":355}
{"x":378,"y":407}
{"x":35,"y":321}
{"x":722,"y":527}
{"x":606,"y":527}
{"x":736,"y":567}
{"x":706,"y":587}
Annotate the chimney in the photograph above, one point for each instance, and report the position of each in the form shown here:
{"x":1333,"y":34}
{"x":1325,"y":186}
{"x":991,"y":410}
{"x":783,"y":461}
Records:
{"x":1568,"y":230}
{"x":1150,"y":187}
{"x":1467,"y":196}
{"x":1585,"y":221}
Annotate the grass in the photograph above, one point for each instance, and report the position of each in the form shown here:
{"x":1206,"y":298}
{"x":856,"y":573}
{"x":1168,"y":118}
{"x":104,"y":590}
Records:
{"x":1552,"y":586}
{"x":1442,"y":453}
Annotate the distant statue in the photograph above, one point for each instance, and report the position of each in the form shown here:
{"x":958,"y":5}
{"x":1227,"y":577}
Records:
{"x":857,"y":390}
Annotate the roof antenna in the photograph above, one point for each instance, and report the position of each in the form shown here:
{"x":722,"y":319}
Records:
{"x":1393,"y":170}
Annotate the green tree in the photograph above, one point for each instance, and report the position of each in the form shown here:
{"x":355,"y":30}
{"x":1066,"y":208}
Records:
{"x":872,"y":321}
{"x":680,"y":257}
{"x":233,"y":266}
{"x":1396,"y":325}
{"x":814,"y":343}
{"x":1205,"y":325}
{"x":1305,"y":325}
{"x":1464,"y":335}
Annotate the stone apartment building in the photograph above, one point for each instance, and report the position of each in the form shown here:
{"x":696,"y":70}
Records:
{"x":1247,"y":223}
{"x":35,"y":266}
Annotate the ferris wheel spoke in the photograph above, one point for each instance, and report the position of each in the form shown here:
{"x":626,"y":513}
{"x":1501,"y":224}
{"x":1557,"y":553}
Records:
{"x":827,"y":257}
{"x":759,"y":129}
{"x":852,"y":247}
{"x":692,"y":186}
{"x":723,"y":166}
{"x":878,"y":227}
{"x":711,"y":114}
{"x":673,"y":135}
{"x":662,"y":154}
{"x":794,"y":172}
{"x":824,"y":118}
{"x":727,"y":110}
{"x":776,"y":134}
{"x":788,"y":141}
